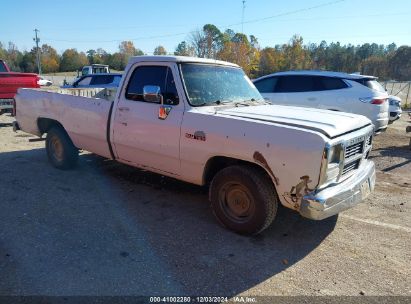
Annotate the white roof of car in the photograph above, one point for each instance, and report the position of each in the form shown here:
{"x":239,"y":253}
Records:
{"x":319,"y":73}
{"x":178,"y":59}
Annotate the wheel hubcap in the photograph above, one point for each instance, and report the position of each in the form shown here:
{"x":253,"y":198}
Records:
{"x":57,"y":148}
{"x":236,"y":202}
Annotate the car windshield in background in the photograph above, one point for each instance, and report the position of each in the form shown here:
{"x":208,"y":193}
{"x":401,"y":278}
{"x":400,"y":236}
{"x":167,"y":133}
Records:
{"x":208,"y":84}
{"x":371,"y":83}
{"x":2,"y":68}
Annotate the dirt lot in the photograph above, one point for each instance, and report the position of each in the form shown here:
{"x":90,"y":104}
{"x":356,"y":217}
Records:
{"x":108,"y":229}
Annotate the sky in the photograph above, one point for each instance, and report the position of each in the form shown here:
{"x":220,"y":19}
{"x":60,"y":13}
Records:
{"x":92,"y":24}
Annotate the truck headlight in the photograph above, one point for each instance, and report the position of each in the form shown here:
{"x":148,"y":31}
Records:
{"x":331,"y":163}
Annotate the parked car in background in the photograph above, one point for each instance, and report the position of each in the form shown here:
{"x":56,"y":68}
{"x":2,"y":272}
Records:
{"x":96,"y":81}
{"x":10,"y":82}
{"x":334,"y":91}
{"x":44,"y":82}
{"x":394,"y":108}
{"x":94,"y":69}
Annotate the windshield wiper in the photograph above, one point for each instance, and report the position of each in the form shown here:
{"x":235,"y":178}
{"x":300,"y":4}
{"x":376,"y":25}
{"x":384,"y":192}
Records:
{"x":216,"y":102}
{"x":249,"y":102}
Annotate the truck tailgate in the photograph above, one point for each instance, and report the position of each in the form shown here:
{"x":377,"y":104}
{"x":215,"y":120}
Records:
{"x":10,"y":82}
{"x":84,"y":118}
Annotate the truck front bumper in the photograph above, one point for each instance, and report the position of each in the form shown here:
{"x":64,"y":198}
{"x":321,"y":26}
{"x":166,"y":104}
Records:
{"x":334,"y":199}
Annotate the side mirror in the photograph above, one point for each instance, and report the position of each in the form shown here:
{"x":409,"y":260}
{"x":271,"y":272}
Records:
{"x":152,"y":94}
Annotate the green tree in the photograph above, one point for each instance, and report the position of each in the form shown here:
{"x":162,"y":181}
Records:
{"x":400,"y":64}
{"x":13,"y":57}
{"x":183,"y":49}
{"x":50,"y":60}
{"x":296,"y":55}
{"x":71,"y":60}
{"x":127,"y":50}
{"x":375,"y":65}
{"x":160,"y":50}
{"x":271,"y":60}
{"x":213,"y":40}
{"x":116,"y":61}
{"x":91,"y":56}
{"x":207,"y":42}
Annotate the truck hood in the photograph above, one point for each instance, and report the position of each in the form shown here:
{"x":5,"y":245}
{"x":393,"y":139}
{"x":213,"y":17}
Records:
{"x":329,"y":123}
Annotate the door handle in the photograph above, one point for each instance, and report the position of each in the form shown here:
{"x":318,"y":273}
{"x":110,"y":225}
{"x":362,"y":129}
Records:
{"x":124,"y":109}
{"x":312,"y":99}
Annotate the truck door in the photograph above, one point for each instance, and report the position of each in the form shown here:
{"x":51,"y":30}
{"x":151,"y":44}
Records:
{"x":139,"y":137}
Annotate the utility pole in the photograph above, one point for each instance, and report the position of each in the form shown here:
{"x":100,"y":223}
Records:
{"x":242,"y":18}
{"x":37,"y":40}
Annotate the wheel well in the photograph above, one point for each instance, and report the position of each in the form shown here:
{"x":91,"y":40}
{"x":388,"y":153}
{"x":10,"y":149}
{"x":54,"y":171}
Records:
{"x":217,"y":163}
{"x":45,"y":124}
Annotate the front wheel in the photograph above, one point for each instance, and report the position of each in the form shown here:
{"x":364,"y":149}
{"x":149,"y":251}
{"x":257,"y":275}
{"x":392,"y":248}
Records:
{"x":60,"y":149}
{"x":243,"y":199}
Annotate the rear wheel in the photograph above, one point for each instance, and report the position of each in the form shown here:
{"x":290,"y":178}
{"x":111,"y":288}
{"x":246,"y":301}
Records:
{"x":60,"y":149}
{"x":243,"y":199}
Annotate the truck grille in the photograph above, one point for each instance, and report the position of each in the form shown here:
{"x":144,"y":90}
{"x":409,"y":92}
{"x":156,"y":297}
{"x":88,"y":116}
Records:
{"x":351,"y":166}
{"x":6,"y":102}
{"x":354,"y":149}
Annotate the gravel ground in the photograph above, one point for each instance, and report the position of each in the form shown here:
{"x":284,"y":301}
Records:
{"x":108,"y":229}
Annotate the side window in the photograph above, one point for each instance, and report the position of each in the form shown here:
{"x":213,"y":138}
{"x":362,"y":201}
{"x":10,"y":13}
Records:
{"x":152,"y":75}
{"x":2,"y":67}
{"x":331,"y":83}
{"x":102,"y":79}
{"x":295,"y":83}
{"x":85,"y":81}
{"x":84,"y":71}
{"x":266,"y":85}
{"x":170,"y":95}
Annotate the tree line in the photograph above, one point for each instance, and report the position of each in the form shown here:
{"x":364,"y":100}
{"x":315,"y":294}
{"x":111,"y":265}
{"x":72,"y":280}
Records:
{"x":385,"y":61}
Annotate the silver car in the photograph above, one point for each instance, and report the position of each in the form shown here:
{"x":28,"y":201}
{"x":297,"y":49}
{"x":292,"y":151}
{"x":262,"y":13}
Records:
{"x":334,"y":91}
{"x":395,"y":108}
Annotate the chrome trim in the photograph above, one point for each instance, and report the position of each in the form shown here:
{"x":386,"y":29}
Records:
{"x":332,"y":200}
{"x":345,"y":142}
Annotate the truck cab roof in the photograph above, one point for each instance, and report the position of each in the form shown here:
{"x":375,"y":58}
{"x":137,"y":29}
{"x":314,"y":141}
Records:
{"x":180,"y":59}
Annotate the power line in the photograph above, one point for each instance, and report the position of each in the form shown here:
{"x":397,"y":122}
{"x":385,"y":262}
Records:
{"x":221,"y":26}
{"x":290,"y":12}
{"x":344,"y":37}
{"x":89,"y":29}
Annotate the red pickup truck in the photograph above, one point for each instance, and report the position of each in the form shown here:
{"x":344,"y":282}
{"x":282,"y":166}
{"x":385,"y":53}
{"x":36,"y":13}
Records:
{"x":10,"y":82}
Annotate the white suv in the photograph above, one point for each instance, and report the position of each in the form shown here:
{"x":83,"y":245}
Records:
{"x":335,"y":91}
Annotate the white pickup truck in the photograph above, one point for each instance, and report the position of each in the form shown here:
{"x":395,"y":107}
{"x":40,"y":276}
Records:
{"x":203,"y":121}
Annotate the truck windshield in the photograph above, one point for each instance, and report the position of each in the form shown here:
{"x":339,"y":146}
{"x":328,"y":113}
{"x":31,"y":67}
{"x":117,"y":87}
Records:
{"x":208,"y":84}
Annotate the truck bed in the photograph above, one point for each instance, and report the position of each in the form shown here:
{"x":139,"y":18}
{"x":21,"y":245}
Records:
{"x":10,"y":82}
{"x":83,"y":112}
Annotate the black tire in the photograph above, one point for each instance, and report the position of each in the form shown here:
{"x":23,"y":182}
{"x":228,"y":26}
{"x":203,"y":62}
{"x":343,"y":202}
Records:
{"x":61,"y":152}
{"x":243,"y":199}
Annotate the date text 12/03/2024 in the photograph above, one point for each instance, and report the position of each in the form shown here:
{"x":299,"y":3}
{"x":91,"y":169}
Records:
{"x":201,"y":299}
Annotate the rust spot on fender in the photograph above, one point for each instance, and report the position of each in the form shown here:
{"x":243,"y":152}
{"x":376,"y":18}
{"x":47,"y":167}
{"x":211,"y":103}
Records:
{"x":298,"y":191}
{"x":259,"y":158}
